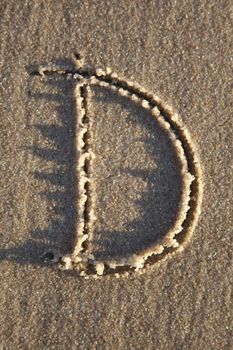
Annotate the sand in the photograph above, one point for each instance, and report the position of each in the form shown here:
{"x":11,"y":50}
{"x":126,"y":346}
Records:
{"x":180,"y":52}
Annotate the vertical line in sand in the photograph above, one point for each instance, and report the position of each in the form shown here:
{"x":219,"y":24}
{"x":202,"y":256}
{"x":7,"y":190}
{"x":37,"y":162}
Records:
{"x":85,"y":215}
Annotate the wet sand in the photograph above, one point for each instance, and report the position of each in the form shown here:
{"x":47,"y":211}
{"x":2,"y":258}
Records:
{"x":177,"y":51}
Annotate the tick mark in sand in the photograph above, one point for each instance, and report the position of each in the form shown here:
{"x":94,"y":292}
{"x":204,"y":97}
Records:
{"x":83,"y":259}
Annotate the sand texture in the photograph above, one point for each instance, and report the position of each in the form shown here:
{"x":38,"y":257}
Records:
{"x":107,"y":162}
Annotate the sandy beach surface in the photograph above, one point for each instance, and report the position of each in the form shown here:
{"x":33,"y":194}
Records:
{"x":180,"y":51}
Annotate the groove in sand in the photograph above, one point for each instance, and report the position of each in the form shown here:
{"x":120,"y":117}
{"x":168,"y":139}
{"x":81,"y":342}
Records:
{"x":82,"y":259}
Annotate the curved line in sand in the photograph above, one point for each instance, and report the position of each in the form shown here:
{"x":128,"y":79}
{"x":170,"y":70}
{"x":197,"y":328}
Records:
{"x":191,"y":198}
